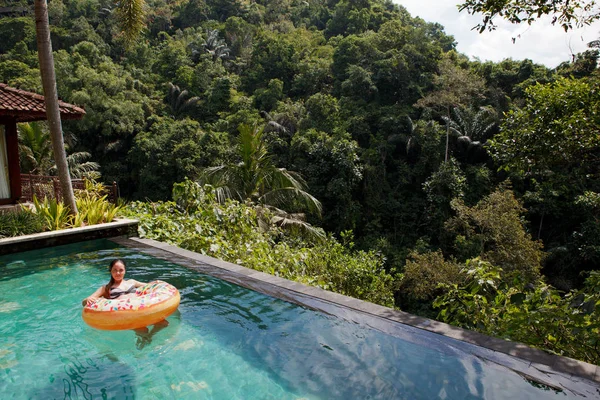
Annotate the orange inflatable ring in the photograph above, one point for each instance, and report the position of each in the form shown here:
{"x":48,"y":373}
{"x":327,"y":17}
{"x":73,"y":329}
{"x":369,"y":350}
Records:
{"x":150,"y":304}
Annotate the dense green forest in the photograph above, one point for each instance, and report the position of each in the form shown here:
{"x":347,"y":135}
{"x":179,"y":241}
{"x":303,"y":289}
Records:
{"x":442,"y":171}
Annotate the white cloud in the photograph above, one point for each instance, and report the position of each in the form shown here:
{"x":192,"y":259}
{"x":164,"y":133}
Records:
{"x":541,"y":42}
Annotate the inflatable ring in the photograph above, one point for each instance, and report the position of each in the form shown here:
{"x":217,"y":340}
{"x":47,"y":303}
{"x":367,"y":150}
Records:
{"x":150,"y":304}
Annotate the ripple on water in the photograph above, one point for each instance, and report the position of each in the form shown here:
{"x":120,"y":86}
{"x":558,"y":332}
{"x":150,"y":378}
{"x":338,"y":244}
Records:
{"x":7,"y":307}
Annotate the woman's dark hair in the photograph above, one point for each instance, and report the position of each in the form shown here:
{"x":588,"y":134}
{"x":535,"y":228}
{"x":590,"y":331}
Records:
{"x":112,"y":280}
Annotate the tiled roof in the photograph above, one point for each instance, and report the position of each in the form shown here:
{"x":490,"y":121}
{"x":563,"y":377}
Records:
{"x":27,"y":106}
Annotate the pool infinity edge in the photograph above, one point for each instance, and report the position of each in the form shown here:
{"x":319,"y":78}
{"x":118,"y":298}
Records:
{"x":530,"y":363}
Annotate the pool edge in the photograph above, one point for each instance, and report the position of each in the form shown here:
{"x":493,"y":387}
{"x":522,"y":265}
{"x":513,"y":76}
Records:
{"x":536,"y":358}
{"x":119,"y":227}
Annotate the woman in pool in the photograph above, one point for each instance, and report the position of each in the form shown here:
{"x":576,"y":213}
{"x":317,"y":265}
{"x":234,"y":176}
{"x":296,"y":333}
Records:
{"x":117,"y":287}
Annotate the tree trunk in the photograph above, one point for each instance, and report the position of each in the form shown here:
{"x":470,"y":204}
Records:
{"x":42,"y":29}
{"x":447,"y":133}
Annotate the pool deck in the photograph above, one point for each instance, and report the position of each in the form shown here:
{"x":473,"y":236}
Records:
{"x":556,"y":372}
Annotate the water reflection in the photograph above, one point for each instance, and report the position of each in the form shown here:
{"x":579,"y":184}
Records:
{"x":90,"y":378}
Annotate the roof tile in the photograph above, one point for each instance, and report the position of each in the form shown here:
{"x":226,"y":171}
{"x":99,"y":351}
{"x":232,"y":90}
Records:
{"x":28,"y":106}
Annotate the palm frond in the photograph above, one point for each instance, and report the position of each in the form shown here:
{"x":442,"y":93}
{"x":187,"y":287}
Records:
{"x":80,"y":167}
{"x":131,"y":16}
{"x":35,"y":147}
{"x":288,"y":196}
{"x":221,"y":178}
{"x":256,"y":178}
{"x":300,"y":226}
{"x":476,"y":124}
{"x":222,"y":193}
{"x":179,"y":100}
{"x":296,"y":222}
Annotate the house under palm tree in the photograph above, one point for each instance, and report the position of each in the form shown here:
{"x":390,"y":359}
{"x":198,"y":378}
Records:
{"x":20,"y":106}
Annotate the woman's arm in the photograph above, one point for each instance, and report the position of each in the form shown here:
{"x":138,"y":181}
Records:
{"x":93,"y":297}
{"x":136,"y":283}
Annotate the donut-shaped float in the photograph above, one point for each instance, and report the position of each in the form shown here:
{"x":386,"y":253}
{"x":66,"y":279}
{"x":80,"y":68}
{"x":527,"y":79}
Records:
{"x":150,"y":304}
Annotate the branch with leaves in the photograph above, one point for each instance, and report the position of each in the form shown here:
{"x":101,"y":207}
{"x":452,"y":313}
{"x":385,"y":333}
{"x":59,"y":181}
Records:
{"x":568,"y":14}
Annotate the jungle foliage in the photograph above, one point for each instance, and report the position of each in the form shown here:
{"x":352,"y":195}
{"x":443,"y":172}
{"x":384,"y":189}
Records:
{"x":427,"y":162}
{"x":533,"y":313}
{"x":196,"y":221}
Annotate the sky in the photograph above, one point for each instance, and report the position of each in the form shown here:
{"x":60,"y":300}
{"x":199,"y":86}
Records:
{"x":540,"y":42}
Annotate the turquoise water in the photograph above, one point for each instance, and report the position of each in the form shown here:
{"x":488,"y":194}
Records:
{"x":225,"y":342}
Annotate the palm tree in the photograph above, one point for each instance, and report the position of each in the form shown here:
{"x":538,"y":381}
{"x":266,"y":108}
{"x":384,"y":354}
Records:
{"x":35,"y":148}
{"x":179,"y":100}
{"x":80,"y":166}
{"x":455,"y":87}
{"x":216,"y":46}
{"x":474,"y":124}
{"x":472,"y":129}
{"x":42,"y":28}
{"x":255,"y":178}
{"x":35,"y":153}
{"x":131,"y":16}
{"x":409,"y":139}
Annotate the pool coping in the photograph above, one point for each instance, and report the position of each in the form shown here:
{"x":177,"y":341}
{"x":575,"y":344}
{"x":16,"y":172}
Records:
{"x":536,"y":358}
{"x":119,"y":227}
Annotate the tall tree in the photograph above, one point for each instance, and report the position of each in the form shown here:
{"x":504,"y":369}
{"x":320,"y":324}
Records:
{"x":454,"y":87}
{"x":131,"y":17}
{"x":51,"y":99}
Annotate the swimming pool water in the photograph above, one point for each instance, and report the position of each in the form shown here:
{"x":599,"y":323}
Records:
{"x":225,"y":342}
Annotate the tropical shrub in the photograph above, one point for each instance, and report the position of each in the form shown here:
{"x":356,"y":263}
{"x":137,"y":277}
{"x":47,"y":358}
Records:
{"x":424,"y":272}
{"x":95,"y":210}
{"x":19,"y":223}
{"x":53,"y":214}
{"x":534,"y":314}
{"x":494,"y":231}
{"x":93,"y":207}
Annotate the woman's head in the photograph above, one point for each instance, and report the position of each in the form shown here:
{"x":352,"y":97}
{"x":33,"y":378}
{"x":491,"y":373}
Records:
{"x":117,"y":272}
{"x":117,"y":269}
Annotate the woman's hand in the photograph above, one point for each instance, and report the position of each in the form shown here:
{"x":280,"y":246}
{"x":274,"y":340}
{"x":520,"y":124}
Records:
{"x":90,"y":300}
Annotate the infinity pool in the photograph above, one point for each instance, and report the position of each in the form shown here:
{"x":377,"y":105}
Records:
{"x":225,"y":342}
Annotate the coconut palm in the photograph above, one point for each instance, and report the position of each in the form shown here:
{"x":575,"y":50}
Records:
{"x":42,"y":28}
{"x":256,"y":179}
{"x":131,"y":17}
